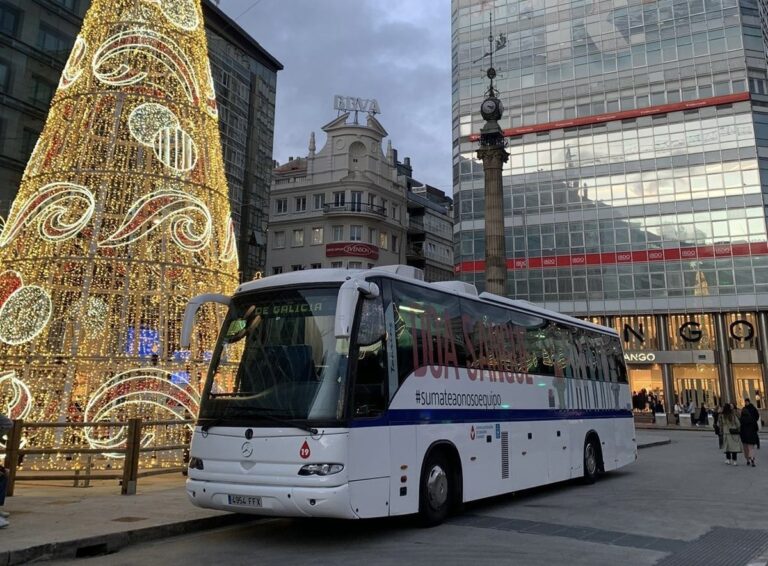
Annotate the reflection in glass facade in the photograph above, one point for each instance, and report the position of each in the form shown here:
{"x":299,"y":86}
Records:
{"x":638,"y":141}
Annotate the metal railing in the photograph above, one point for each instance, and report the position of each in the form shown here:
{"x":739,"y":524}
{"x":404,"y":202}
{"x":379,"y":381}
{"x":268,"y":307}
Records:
{"x":130,"y":454}
{"x":355,"y":207}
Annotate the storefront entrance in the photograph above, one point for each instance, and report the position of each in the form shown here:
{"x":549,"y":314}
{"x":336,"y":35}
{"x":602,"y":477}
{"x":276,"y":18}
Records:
{"x":699,"y":384}
{"x":646,"y":384}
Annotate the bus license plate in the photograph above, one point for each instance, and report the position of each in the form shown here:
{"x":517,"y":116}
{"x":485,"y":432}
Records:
{"x":245,"y":500}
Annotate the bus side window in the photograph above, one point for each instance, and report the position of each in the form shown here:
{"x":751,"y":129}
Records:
{"x":370,"y":378}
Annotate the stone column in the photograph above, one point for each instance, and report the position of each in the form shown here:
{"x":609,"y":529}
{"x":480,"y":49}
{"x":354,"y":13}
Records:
{"x":726,"y":381}
{"x":762,"y":329}
{"x":666,"y":370}
{"x":494,"y":158}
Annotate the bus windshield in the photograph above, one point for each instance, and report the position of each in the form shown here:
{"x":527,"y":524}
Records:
{"x":278,"y":358}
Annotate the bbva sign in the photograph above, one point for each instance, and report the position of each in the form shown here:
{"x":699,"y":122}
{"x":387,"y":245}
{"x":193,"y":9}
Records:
{"x":353,"y":104}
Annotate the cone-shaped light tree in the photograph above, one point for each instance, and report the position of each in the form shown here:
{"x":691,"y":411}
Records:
{"x":122,"y":215}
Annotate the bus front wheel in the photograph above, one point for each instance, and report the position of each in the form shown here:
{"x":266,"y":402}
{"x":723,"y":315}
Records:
{"x":435,"y":491}
{"x":591,"y":459}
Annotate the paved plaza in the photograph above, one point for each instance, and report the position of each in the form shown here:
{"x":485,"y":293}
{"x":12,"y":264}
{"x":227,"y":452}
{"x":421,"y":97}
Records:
{"x":679,"y":504}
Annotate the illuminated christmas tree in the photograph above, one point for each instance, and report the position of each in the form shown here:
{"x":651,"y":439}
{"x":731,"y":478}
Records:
{"x":122,"y":215}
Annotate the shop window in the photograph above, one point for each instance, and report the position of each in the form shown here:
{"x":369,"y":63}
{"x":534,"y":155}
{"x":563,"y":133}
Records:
{"x":637,"y":332}
{"x":691,"y":332}
{"x":748,"y":379}
{"x":742,"y":330}
{"x":697,"y":384}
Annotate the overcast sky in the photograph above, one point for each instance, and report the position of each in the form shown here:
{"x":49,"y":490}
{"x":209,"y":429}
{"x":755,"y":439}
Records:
{"x":396,"y":51}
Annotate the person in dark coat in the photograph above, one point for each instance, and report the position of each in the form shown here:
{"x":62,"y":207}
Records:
{"x":703,"y":416}
{"x":748,"y":433}
{"x":752,"y":410}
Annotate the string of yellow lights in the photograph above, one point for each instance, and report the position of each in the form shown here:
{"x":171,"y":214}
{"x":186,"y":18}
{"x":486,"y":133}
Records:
{"x":122,"y":215}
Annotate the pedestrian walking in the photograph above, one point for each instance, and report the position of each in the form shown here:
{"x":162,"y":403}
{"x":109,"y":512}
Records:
{"x":749,"y":437}
{"x":677,"y":410}
{"x":703,"y":416}
{"x":731,"y":428}
{"x":5,"y":427}
{"x":717,"y":413}
{"x":752,"y":411}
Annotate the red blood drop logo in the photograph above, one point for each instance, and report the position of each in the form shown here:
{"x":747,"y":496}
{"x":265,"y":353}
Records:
{"x":304,"y":451}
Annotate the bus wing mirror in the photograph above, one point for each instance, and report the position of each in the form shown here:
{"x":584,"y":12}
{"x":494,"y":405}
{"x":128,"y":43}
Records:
{"x":346,"y":303}
{"x":193,"y":306}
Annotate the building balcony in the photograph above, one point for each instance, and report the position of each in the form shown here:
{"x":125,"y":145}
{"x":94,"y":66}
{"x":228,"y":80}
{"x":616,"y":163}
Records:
{"x":414,"y":252}
{"x":355,"y":208}
{"x":416,"y":225}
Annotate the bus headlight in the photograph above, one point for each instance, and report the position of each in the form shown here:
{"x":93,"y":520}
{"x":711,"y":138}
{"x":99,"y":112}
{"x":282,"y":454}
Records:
{"x":320,"y":469}
{"x":195,"y":463}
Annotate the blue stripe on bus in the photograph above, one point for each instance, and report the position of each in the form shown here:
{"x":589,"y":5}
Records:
{"x":398,"y":417}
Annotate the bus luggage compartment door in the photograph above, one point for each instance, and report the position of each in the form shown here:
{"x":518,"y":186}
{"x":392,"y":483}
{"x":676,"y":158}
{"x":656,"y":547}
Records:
{"x":369,"y":470}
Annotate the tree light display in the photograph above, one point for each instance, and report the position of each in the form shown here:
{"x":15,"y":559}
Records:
{"x":121,"y":217}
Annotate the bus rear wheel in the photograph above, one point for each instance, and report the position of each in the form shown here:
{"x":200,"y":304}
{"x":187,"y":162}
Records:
{"x":435,"y":493}
{"x":591,"y":459}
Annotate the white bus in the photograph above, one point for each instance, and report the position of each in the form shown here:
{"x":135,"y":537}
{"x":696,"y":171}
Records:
{"x":357,"y":394}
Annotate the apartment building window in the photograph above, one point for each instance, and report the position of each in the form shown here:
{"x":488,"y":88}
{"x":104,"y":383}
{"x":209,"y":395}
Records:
{"x":339,"y":198}
{"x":371,"y":200}
{"x":277,"y":270}
{"x":281,"y":205}
{"x":5,"y":77}
{"x":279,"y":240}
{"x":371,"y":235}
{"x":318,"y":201}
{"x":9,"y":19}
{"x":52,"y":41}
{"x":298,"y":238}
{"x":338,"y":233}
{"x":297,"y":267}
{"x":317,"y":235}
{"x":28,"y":141}
{"x":317,"y":266}
{"x":383,"y":240}
{"x":356,"y":201}
{"x":301,"y":204}
{"x":42,"y":91}
{"x":394,"y":243}
{"x":384,"y":206}
{"x":355,"y":264}
{"x":355,"y":233}
{"x":70,"y":5}
{"x":337,"y":265}
{"x":395,"y":212}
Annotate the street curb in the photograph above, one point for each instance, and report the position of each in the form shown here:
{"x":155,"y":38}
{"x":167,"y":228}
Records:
{"x":112,"y":542}
{"x":642,"y":426}
{"x":653,"y":443}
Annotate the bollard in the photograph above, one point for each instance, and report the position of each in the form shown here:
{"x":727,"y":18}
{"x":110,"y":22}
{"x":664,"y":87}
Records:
{"x":131,"y":462}
{"x":88,"y":465}
{"x":12,"y":455}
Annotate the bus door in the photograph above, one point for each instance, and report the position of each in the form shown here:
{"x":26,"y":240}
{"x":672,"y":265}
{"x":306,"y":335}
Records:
{"x":368,"y":454}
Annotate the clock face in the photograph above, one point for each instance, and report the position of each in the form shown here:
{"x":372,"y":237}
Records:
{"x":488,"y":107}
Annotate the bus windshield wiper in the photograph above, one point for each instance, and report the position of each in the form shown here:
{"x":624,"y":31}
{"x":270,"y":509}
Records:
{"x":261,"y":411}
{"x":215,"y":421}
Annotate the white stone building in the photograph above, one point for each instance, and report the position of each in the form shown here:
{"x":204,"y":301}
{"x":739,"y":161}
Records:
{"x":342,"y":206}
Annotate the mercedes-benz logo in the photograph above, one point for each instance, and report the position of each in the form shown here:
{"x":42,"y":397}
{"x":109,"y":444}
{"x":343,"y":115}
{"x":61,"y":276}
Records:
{"x":247,"y":449}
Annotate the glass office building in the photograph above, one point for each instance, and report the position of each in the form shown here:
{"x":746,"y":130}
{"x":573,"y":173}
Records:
{"x":634,"y":191}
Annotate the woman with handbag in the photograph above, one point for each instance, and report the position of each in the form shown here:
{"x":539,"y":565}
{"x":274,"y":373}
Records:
{"x":731,"y":427}
{"x":749,"y":437}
